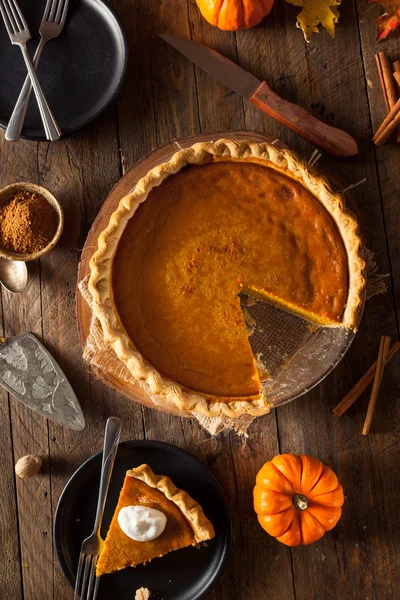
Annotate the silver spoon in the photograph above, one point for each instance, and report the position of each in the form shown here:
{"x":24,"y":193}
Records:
{"x":13,"y":275}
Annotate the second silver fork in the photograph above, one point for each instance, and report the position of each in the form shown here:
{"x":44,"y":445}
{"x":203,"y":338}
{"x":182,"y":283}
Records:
{"x":86,"y":584}
{"x":52,"y":24}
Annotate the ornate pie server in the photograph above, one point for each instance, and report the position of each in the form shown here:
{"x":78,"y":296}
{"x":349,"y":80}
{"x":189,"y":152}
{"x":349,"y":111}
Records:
{"x":30,"y":374}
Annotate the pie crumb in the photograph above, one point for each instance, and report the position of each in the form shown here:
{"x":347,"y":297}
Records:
{"x":142,"y":594}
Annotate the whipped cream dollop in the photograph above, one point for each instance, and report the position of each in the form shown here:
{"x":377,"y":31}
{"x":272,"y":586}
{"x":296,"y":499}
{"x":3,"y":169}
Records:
{"x":141,"y":523}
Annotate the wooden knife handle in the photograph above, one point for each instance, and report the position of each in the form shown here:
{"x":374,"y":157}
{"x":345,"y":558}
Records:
{"x":335,"y":141}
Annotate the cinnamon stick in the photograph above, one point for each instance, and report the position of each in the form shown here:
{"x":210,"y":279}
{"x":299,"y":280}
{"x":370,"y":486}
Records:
{"x":362,"y":383}
{"x":388,"y":84}
{"x":388,"y":126}
{"x":380,"y":366}
{"x":387,"y":81}
{"x":396,"y":74}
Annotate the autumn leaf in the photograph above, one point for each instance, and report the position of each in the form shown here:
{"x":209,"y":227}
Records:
{"x":389,"y":21}
{"x":315,"y":13}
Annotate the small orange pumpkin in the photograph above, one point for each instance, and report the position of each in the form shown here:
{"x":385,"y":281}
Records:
{"x":297,"y":498}
{"x":231,"y":15}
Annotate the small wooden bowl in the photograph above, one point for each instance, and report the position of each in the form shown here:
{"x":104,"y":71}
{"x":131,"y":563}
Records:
{"x":7,"y":193}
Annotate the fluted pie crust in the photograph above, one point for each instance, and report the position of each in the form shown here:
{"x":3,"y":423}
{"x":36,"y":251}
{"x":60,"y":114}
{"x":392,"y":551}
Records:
{"x":332,"y":215}
{"x":186,"y":525}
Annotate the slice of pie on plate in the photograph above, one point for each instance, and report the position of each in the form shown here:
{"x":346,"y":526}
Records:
{"x":186,"y":524}
{"x":218,"y":219}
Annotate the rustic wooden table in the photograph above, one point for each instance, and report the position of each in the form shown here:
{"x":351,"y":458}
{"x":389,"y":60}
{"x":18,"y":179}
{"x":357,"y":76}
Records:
{"x":166,"y":97}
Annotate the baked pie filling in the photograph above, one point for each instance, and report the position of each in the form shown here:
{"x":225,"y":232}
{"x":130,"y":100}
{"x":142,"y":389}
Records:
{"x":217,"y":219}
{"x":202,"y":236}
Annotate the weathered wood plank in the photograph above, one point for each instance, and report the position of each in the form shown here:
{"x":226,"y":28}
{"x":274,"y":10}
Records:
{"x":328,"y":79}
{"x":383,"y":442}
{"x":161,"y":102}
{"x":87,"y":165}
{"x":10,"y":560}
{"x":167,"y":97}
{"x":219,"y":109}
{"x":174,"y":99}
{"x":29,"y":430}
{"x":164,"y":108}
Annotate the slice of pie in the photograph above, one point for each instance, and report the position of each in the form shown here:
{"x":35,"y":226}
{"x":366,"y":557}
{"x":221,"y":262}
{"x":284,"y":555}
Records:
{"x":219,"y":219}
{"x":186,"y":523}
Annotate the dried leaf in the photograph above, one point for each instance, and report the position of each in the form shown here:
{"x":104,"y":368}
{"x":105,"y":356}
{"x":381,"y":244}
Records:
{"x":389,"y":21}
{"x":315,"y":13}
{"x":14,"y":355}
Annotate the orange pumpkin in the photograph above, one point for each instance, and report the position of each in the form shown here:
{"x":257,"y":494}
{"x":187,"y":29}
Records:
{"x":297,"y":499}
{"x":231,"y":15}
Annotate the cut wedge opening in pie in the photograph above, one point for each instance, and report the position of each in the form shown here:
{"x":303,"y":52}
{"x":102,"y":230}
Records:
{"x":221,"y":219}
{"x":186,"y":523}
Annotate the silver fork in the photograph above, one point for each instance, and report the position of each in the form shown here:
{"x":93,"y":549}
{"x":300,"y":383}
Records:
{"x":86,"y":582}
{"x":51,"y":26}
{"x":19,"y":34}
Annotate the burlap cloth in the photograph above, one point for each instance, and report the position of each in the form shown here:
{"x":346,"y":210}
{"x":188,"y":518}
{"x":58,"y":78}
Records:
{"x":100,"y":354}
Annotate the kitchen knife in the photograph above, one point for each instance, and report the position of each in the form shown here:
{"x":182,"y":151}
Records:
{"x":30,"y":374}
{"x":333,"y":140}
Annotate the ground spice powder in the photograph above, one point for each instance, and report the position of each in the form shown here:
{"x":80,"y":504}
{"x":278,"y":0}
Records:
{"x":27,"y":223}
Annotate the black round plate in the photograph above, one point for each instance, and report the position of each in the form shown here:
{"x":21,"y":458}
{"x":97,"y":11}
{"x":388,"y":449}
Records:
{"x":187,"y":574}
{"x":81,"y":72}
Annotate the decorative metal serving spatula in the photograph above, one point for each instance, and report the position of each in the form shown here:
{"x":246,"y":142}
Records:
{"x":30,"y":374}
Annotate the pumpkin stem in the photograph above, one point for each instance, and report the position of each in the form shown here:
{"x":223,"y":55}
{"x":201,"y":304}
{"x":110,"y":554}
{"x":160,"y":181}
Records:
{"x":300,"y":501}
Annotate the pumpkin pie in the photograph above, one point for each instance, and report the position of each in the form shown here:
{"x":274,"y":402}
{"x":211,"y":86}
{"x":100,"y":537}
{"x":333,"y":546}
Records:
{"x":216,"y":220}
{"x":186,"y":523}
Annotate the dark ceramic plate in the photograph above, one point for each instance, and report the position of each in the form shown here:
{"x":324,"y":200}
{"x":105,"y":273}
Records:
{"x":81,"y":72}
{"x":187,"y":574}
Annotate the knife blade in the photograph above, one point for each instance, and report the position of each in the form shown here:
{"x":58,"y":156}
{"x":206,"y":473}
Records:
{"x":30,"y":374}
{"x":334,"y":141}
